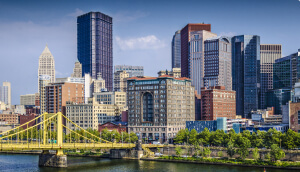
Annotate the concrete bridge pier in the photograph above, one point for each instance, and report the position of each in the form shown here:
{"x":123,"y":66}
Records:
{"x":46,"y":159}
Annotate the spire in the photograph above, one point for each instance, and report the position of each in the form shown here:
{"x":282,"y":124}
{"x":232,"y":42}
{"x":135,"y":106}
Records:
{"x":46,"y":50}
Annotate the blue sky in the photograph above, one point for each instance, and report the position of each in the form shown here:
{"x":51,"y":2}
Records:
{"x":142,"y":31}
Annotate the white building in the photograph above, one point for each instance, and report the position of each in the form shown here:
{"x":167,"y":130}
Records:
{"x":46,"y":65}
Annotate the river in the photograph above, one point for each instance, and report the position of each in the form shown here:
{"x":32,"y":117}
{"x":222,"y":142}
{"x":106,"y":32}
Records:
{"x":24,"y":163}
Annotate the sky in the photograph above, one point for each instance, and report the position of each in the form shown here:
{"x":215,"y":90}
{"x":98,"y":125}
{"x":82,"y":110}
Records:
{"x":142,"y":31}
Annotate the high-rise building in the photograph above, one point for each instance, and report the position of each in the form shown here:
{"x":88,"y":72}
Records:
{"x":57,"y":94}
{"x":132,"y":70}
{"x":185,"y":38}
{"x":268,"y":54}
{"x":5,"y":93}
{"x":120,"y":83}
{"x":286,"y":71}
{"x":44,"y":80}
{"x":196,"y":57}
{"x":77,"y":71}
{"x":246,"y":72}
{"x":159,"y":107}
{"x":46,"y":65}
{"x":217,"y":102}
{"x":95,"y":45}
{"x":176,"y":53}
{"x":28,"y":99}
{"x":217,"y":62}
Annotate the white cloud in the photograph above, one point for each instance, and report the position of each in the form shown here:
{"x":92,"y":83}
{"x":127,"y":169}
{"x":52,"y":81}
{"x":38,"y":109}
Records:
{"x":126,"y":16}
{"x":76,"y":13}
{"x":141,"y":43}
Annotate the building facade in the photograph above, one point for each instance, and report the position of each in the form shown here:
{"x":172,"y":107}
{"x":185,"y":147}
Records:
{"x":95,"y":45}
{"x":46,"y":65}
{"x":268,"y":54}
{"x":133,"y":71}
{"x":277,"y":98}
{"x":120,"y":83}
{"x":158,"y":107}
{"x":77,"y":71}
{"x":196,"y":57}
{"x":44,"y":80}
{"x":176,"y":50}
{"x":28,"y":99}
{"x":217,"y":102}
{"x":217,"y":62}
{"x":175,"y":72}
{"x":57,"y":94}
{"x":185,"y":37}
{"x":9,"y":118}
{"x":246,"y":72}
{"x":5,"y":93}
{"x":110,"y":126}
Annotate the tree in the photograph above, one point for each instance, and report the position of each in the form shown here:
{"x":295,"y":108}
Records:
{"x":220,"y":154}
{"x":203,"y":137}
{"x":193,"y":137}
{"x":181,"y":136}
{"x":255,"y":154}
{"x":243,"y":144}
{"x":230,"y":149}
{"x":257,"y":139}
{"x":276,"y":153}
{"x":158,"y":150}
{"x":273,"y":137}
{"x":178,"y":150}
{"x":216,"y":138}
{"x":206,"y":152}
{"x":289,"y":139}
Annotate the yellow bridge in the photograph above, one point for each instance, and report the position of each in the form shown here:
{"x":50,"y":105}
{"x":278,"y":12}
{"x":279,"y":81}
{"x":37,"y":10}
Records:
{"x":50,"y":133}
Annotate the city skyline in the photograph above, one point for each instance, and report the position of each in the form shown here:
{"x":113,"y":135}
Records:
{"x":142,"y":34}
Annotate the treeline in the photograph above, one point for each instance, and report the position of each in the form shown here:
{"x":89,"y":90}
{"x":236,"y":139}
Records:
{"x":259,"y":139}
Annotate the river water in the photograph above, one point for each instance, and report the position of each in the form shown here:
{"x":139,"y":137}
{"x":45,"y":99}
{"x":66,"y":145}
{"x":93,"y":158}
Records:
{"x":24,"y":163}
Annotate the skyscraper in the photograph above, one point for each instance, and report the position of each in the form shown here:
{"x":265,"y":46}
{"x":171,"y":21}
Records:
{"x":176,"y":50}
{"x":196,"y":57}
{"x":132,"y":70}
{"x":94,"y":46}
{"x":44,"y":80}
{"x":217,"y":62}
{"x":185,"y":39}
{"x":77,"y":71}
{"x":268,"y":54}
{"x":246,"y":72}
{"x":46,"y":65}
{"x":5,"y":93}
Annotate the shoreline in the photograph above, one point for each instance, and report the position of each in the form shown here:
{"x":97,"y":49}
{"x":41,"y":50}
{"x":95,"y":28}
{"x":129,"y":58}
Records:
{"x":218,"y":163}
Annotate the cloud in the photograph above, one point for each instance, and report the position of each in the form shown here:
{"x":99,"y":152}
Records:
{"x":126,"y":16}
{"x":77,"y":12}
{"x":229,"y":34}
{"x":141,"y":43}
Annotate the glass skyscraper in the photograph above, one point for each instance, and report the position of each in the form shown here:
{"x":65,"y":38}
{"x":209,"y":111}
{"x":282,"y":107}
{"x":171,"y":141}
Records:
{"x":95,"y":47}
{"x":246,"y":72}
{"x":176,"y":50}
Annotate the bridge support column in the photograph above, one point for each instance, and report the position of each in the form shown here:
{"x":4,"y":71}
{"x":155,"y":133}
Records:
{"x":47,"y":159}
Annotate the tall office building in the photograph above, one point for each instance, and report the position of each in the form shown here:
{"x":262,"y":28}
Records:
{"x":268,"y":54}
{"x":77,"y":71}
{"x":120,"y":82}
{"x":46,"y":65}
{"x":286,"y":71}
{"x":5,"y":93}
{"x":28,"y":99}
{"x":44,"y":80}
{"x":184,"y":48}
{"x":217,"y":62}
{"x":158,"y":107}
{"x":246,"y":72}
{"x":176,"y":53}
{"x":196,"y":57}
{"x":95,"y":46}
{"x":131,"y":70}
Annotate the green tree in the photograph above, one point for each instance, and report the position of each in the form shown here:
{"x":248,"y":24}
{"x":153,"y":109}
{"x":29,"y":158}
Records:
{"x":203,"y":137}
{"x":257,"y":139}
{"x":220,"y":154}
{"x":230,"y":149}
{"x":276,"y":153}
{"x":267,"y":156}
{"x":178,"y":150}
{"x":158,"y":150}
{"x":243,"y":144}
{"x":255,"y":154}
{"x":181,"y":136}
{"x":206,"y":152}
{"x":193,"y":137}
{"x":290,"y":139}
{"x":273,"y":137}
{"x":217,"y":138}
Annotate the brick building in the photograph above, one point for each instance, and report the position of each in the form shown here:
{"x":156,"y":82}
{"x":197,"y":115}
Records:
{"x":119,"y":126}
{"x":27,"y":118}
{"x":217,"y":102}
{"x":9,"y":118}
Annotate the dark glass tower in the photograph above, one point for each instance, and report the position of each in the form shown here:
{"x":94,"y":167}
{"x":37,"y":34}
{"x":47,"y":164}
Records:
{"x":95,"y":47}
{"x":246,"y":73}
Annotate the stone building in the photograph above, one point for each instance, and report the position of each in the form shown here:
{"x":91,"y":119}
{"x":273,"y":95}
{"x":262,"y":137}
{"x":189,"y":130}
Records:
{"x":158,"y":107}
{"x":120,"y":83}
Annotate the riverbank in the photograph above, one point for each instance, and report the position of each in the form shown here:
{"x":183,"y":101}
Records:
{"x":216,"y":162}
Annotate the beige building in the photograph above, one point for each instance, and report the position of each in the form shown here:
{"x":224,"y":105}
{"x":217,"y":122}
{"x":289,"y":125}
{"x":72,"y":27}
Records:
{"x":92,"y":114}
{"x":2,"y":106}
{"x":176,"y":72}
{"x":158,"y":107}
{"x":28,"y":99}
{"x":44,"y":80}
{"x":5,"y":93}
{"x":46,"y":65}
{"x":116,"y":97}
{"x":77,"y":71}
{"x":98,"y":84}
{"x":120,"y":83}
